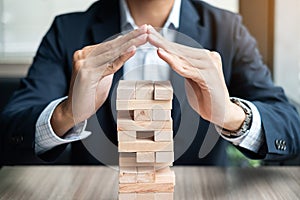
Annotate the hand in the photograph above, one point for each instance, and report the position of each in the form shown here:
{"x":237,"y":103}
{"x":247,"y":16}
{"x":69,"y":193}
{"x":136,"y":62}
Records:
{"x":205,"y":85}
{"x":92,"y":75}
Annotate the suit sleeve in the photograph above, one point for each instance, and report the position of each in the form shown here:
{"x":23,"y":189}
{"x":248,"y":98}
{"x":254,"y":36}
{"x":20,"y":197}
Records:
{"x":251,"y":80}
{"x":45,"y":82}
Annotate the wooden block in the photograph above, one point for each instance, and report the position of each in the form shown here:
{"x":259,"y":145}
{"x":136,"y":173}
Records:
{"x":142,"y":104}
{"x":165,"y":175}
{"x":146,"y":169}
{"x":126,"y":90}
{"x":128,"y":170}
{"x":128,"y":175}
{"x":129,"y":125}
{"x":163,"y":90}
{"x":126,"y":136}
{"x":146,"y":187}
{"x":164,"y":196}
{"x":164,"y":157}
{"x":162,"y":115}
{"x":145,"y":174}
{"x":144,"y":90}
{"x":146,"y":196}
{"x":127,"y":196}
{"x":142,"y":115}
{"x":129,"y":160}
{"x":127,"y":178}
{"x":145,"y":145}
{"x":145,"y":157}
{"x":163,"y":135}
{"x":127,"y":155}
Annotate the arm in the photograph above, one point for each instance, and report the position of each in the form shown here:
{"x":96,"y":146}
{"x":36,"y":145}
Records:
{"x":251,"y":80}
{"x":92,"y":73}
{"x":208,"y":94}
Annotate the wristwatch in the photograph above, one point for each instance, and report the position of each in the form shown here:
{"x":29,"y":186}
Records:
{"x":245,"y":127}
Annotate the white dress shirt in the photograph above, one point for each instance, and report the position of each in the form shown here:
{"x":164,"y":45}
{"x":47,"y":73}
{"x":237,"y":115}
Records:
{"x":144,"y":65}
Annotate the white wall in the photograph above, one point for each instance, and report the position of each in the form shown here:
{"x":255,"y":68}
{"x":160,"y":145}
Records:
{"x":287,"y":47}
{"x":23,"y":23}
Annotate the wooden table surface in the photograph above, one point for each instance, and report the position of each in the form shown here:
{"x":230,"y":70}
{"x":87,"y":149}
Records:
{"x":98,"y":182}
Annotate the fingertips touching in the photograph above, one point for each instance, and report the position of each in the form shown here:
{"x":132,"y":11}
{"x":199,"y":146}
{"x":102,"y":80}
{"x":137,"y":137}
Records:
{"x":144,"y":28}
{"x":143,"y":37}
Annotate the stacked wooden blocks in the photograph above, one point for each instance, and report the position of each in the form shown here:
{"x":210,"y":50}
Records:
{"x":145,"y":138}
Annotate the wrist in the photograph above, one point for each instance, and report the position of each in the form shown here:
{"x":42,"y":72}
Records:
{"x":234,"y":118}
{"x":62,"y":119}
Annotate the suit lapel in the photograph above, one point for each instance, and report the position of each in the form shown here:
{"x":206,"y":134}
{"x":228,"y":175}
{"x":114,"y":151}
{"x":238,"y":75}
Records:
{"x":107,"y":21}
{"x":191,"y":25}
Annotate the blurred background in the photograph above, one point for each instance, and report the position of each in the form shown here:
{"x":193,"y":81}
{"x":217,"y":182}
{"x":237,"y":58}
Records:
{"x":274,"y":24}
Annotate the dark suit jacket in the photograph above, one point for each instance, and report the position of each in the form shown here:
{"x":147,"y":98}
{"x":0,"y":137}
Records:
{"x":245,"y":74}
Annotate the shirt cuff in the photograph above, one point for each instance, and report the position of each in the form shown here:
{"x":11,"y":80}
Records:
{"x":254,"y":137}
{"x":46,"y":139}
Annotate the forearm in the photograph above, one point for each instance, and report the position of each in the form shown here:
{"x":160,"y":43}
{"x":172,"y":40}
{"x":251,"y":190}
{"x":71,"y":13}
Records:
{"x":45,"y":137}
{"x":234,"y":117}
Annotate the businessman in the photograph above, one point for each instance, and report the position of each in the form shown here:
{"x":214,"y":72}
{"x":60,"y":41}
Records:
{"x":75,"y":69}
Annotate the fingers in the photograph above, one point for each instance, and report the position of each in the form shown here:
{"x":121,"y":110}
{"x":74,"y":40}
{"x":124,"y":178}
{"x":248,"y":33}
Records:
{"x":113,"y":54}
{"x":131,"y":35}
{"x":122,"y":40}
{"x":157,"y":40}
{"x":179,"y":65}
{"x":110,"y":51}
{"x":114,"y":66}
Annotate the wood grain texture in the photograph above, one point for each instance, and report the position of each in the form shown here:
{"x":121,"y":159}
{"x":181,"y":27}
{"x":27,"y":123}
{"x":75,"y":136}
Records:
{"x":128,"y":159}
{"x":126,"y":90}
{"x":142,"y":104}
{"x":163,"y":90}
{"x":145,"y":196}
{"x":163,"y":135}
{"x":142,"y":115}
{"x":127,"y":196}
{"x":165,"y":175}
{"x":158,"y":115}
{"x":98,"y":182}
{"x":126,"y":136}
{"x":145,"y":177}
{"x":145,"y":187}
{"x":144,"y":90}
{"x":128,"y":178}
{"x":144,"y":146}
{"x":145,"y":157}
{"x":131,"y":125}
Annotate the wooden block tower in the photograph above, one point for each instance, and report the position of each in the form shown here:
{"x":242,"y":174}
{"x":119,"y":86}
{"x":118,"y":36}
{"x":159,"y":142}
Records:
{"x":145,"y":138}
